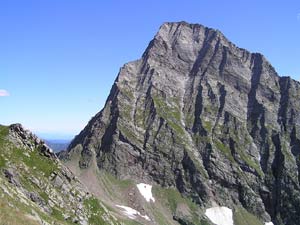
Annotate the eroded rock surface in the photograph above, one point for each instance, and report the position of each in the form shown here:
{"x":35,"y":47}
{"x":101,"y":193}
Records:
{"x":200,"y":114}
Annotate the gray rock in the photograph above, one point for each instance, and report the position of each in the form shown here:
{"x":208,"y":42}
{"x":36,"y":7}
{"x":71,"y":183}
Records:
{"x":36,"y":198}
{"x":12,"y":177}
{"x":58,"y":181}
{"x":23,"y":138}
{"x":198,"y":113}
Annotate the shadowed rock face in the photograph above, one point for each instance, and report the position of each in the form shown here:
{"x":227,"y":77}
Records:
{"x":201,"y":114}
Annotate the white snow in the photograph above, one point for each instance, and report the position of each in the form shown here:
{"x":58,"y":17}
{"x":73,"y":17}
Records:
{"x":220,"y":215}
{"x":132,"y":213}
{"x":269,"y":223}
{"x":145,"y":190}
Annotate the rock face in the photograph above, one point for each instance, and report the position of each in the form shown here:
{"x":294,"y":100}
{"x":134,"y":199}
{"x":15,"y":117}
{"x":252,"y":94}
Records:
{"x":202,"y":115}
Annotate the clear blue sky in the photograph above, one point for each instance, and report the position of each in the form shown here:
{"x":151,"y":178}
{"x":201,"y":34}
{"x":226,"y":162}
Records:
{"x":59,"y":58}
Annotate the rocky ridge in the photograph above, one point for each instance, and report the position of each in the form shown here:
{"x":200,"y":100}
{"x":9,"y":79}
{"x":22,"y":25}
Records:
{"x":201,"y":115}
{"x":37,"y":189}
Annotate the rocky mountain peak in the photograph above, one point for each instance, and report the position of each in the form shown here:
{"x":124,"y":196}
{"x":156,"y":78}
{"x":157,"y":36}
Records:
{"x":201,"y":115}
{"x":186,"y":40}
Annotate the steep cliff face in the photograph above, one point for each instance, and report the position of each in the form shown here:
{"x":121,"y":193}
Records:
{"x":202,"y":115}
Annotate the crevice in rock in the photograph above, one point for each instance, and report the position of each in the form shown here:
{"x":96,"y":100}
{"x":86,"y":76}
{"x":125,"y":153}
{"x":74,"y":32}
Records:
{"x":277,"y":171}
{"x":107,"y":138}
{"x":222,"y":93}
{"x":198,"y":127}
{"x":180,"y":184}
{"x":295,"y":149}
{"x":284,"y":83}
{"x":211,"y":94}
{"x":194,"y":178}
{"x":149,"y":107}
{"x":206,"y":158}
{"x":223,"y":61}
{"x":161,"y":123}
{"x":255,"y":109}
{"x":256,"y":112}
{"x":203,"y":52}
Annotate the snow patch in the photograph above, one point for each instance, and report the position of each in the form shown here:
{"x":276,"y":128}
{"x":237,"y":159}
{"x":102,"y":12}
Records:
{"x":146,"y":191}
{"x":132,"y":213}
{"x":269,"y":223}
{"x":220,"y":215}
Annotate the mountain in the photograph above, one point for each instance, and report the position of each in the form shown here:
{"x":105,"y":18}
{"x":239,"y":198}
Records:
{"x":205,"y":120}
{"x":35,"y":188}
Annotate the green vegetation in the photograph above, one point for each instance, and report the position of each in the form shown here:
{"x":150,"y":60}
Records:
{"x":123,"y":184}
{"x":34,"y":160}
{"x":200,"y":139}
{"x":207,"y":125}
{"x":171,"y":198}
{"x":243,"y":217}
{"x":31,"y":158}
{"x":131,"y":222}
{"x":285,"y":150}
{"x":40,"y":163}
{"x":44,"y":196}
{"x":244,"y":157}
{"x":160,"y":218}
{"x":250,"y":162}
{"x":170,"y":113}
{"x":204,"y":222}
{"x":34,"y":163}
{"x":113,"y":185}
{"x":189,"y":120}
{"x":2,"y":162}
{"x":127,"y":132}
{"x":31,"y":170}
{"x":126,"y":111}
{"x":3,"y":134}
{"x":224,"y":149}
{"x":57,"y":214}
{"x":14,"y":214}
{"x":127,"y":93}
{"x":96,"y":211}
{"x":177,"y":128}
{"x":211,"y":109}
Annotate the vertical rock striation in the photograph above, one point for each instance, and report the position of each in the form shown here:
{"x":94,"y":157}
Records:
{"x":198,"y":113}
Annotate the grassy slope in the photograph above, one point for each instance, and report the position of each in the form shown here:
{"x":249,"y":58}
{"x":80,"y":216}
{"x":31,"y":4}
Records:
{"x":16,"y":208}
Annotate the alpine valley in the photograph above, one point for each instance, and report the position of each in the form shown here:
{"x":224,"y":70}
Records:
{"x":196,"y":132}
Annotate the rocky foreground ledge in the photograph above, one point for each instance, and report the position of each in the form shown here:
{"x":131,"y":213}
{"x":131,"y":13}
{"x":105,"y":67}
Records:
{"x":35,"y":188}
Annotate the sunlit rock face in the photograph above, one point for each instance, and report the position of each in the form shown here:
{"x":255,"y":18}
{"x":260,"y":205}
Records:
{"x":36,"y":188}
{"x":200,"y":114}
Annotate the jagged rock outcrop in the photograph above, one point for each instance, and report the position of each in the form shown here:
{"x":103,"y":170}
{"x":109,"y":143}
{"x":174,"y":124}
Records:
{"x":35,"y":188}
{"x":202,"y":115}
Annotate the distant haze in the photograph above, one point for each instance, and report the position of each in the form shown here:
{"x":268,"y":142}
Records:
{"x":55,"y":136}
{"x":58,"y":145}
